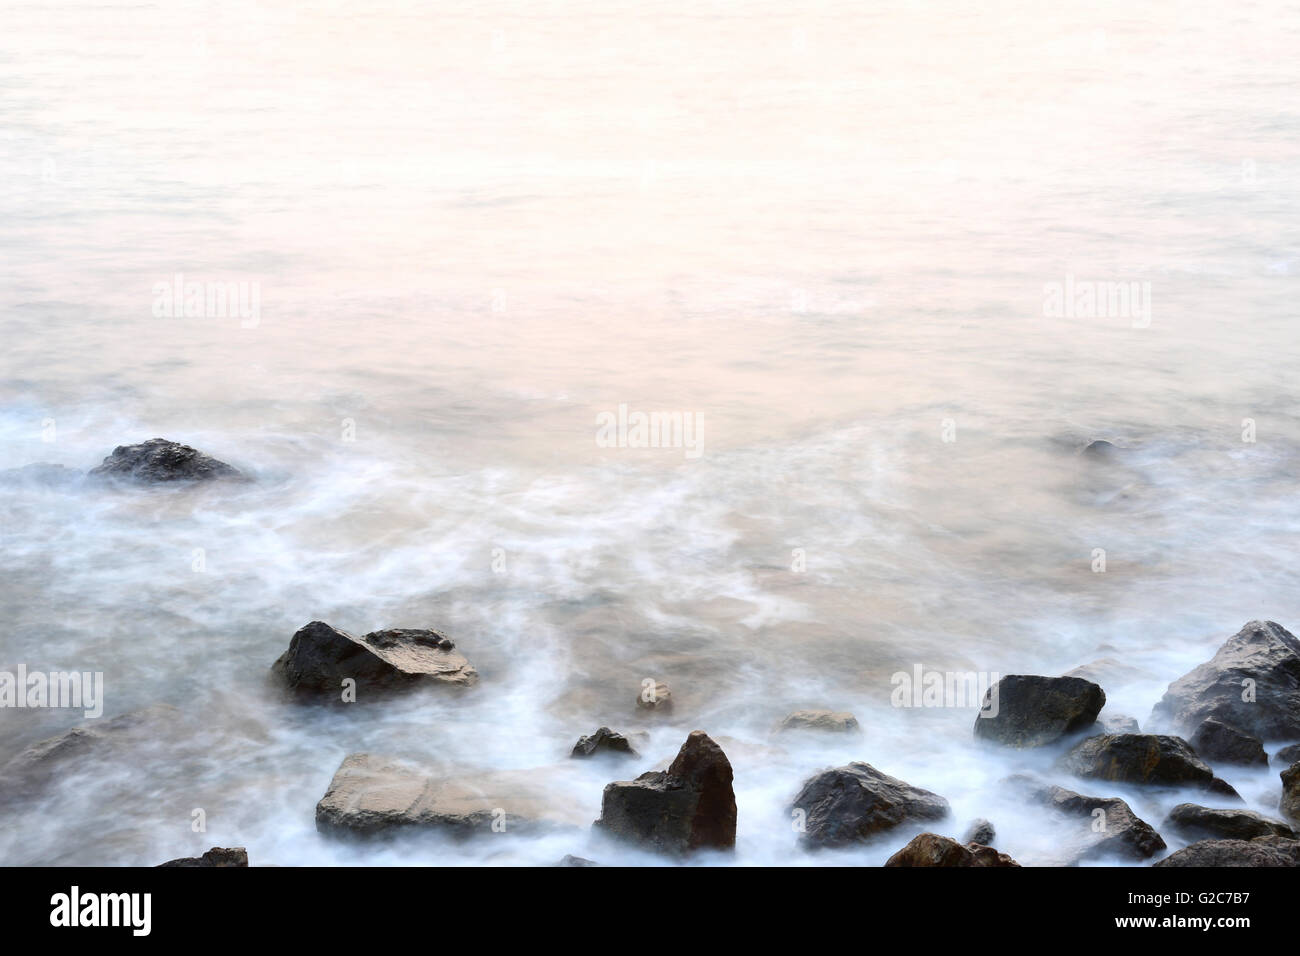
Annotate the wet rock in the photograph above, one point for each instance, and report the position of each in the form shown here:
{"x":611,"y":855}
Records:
{"x":1268,"y":851}
{"x":856,"y":802}
{"x":655,"y":696}
{"x":1031,"y":711}
{"x":1252,"y":683}
{"x":1287,"y":755}
{"x":160,"y":460}
{"x":930,"y":849}
{"x":831,"y":721}
{"x":1152,"y":759}
{"x":1215,"y":740}
{"x":1120,"y":724}
{"x":321,"y":657}
{"x":217,"y":856}
{"x":690,"y":806}
{"x":1290,"y":805}
{"x":603,"y":741}
{"x":1193,"y":822}
{"x":980,"y":831}
{"x":1107,"y":826}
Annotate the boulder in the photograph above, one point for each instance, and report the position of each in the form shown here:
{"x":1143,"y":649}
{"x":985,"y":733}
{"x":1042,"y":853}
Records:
{"x":160,"y":460}
{"x":1262,"y":851}
{"x":1120,"y":724}
{"x":320,"y":657}
{"x":1107,"y":826}
{"x":1193,"y":822}
{"x":1287,"y":755}
{"x":217,"y":856}
{"x":856,"y":802}
{"x":1153,"y":759}
{"x":1290,"y":805}
{"x":690,"y":806}
{"x":1030,"y":711}
{"x":930,"y":849}
{"x":1252,"y":683}
{"x":655,"y":696}
{"x":830,"y":721}
{"x":1214,"y":740}
{"x":980,"y":831}
{"x":603,"y":741}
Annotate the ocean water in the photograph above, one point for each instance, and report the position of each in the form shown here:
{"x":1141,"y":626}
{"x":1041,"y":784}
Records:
{"x":829,"y":234}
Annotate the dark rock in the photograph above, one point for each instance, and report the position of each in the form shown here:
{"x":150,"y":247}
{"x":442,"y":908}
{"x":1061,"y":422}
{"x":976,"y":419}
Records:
{"x":320,"y":657}
{"x":831,"y":721}
{"x":1290,"y":805}
{"x":855,"y":802}
{"x":1252,"y":683}
{"x":1193,"y":822}
{"x":1215,"y":740}
{"x":159,"y":460}
{"x":655,"y":697}
{"x":1107,"y":827}
{"x":603,"y":741}
{"x":1287,"y":755}
{"x":980,"y":831}
{"x":1029,"y":711}
{"x":217,"y":856}
{"x":690,"y":806}
{"x":1120,"y":724}
{"x":930,"y":849}
{"x":1153,"y":759}
{"x":1261,"y":851}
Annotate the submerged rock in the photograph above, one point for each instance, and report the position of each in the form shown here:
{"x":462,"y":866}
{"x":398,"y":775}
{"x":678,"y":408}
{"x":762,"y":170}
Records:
{"x":655,"y":696}
{"x":1215,"y":740}
{"x":1290,"y":805}
{"x":603,"y":741}
{"x":320,"y":657}
{"x":690,"y":806}
{"x":1030,"y":711}
{"x":1287,"y":755}
{"x":856,"y":802}
{"x":930,"y":849}
{"x":41,"y":475}
{"x":832,"y":721}
{"x":1153,"y":759}
{"x":216,"y":857}
{"x":1267,"y":851}
{"x":570,"y":860}
{"x":1107,"y":826}
{"x":1252,"y":683}
{"x":1199,"y":823}
{"x":160,"y":460}
{"x":1120,"y":724}
{"x":980,"y":831}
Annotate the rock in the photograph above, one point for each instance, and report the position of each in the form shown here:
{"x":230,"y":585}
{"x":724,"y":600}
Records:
{"x":570,"y":860}
{"x":980,"y":831}
{"x":158,"y":460}
{"x":1287,"y":755}
{"x":655,"y":696}
{"x":690,"y":806}
{"x":930,"y":849}
{"x":372,"y":795}
{"x":1215,"y":740}
{"x":1029,"y":711}
{"x":1100,"y":449}
{"x":41,"y":475}
{"x":1261,"y":851}
{"x":1193,"y":822}
{"x":832,"y":721}
{"x":320,"y":657}
{"x":217,"y":856}
{"x":1120,"y":724}
{"x":603,"y":741}
{"x":1153,"y":759}
{"x":1108,"y":671}
{"x":855,"y":802}
{"x":1262,"y":653}
{"x":1107,"y":826}
{"x":1290,"y":805}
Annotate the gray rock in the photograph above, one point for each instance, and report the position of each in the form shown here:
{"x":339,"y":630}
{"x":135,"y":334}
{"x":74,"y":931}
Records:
{"x":216,"y":857}
{"x":1261,"y":851}
{"x":320,"y":657}
{"x":1287,"y":755}
{"x":570,"y":860}
{"x":1290,"y":805}
{"x":1107,"y":826}
{"x":1100,"y":449}
{"x":980,"y":831}
{"x":1120,"y":724}
{"x":1252,"y":683}
{"x":690,"y":806}
{"x":160,"y":460}
{"x":603,"y":741}
{"x":1151,"y":759}
{"x":931,"y":849}
{"x":1031,"y":711}
{"x":1193,"y":822}
{"x":856,"y":802}
{"x":1214,"y":740}
{"x":831,"y":721}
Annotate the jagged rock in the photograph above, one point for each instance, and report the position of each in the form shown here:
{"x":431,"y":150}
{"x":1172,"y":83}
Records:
{"x":1262,"y":653}
{"x":1215,"y":740}
{"x":217,"y":856}
{"x":930,"y":849}
{"x":1194,"y":822}
{"x":831,"y":721}
{"x":655,"y":697}
{"x":320,"y":657}
{"x":603,"y":741}
{"x":1261,"y":851}
{"x":980,"y":831}
{"x":855,"y":802}
{"x":1287,"y":755}
{"x":1030,"y":711}
{"x":1107,"y":826}
{"x":159,"y":460}
{"x":1290,"y":805}
{"x":1120,"y":724}
{"x":690,"y":806}
{"x":1153,"y":759}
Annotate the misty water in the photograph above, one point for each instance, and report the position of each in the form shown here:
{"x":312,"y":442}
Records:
{"x":828,"y":232}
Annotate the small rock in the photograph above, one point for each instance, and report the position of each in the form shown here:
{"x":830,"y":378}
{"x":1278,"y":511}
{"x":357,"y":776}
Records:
{"x":1194,"y":822}
{"x":855,"y":802}
{"x":571,"y":860}
{"x":980,"y":831}
{"x":930,"y":849}
{"x":1287,"y":755}
{"x":655,"y":696}
{"x":1120,"y":724}
{"x":217,"y":856}
{"x":1290,"y":805}
{"x":1215,"y":740}
{"x":603,"y":740}
{"x":160,"y":460}
{"x":1153,"y":759}
{"x":1107,"y":826}
{"x":1261,"y":851}
{"x":1031,"y":711}
{"x":1100,"y":448}
{"x":832,"y":721}
{"x":690,"y":806}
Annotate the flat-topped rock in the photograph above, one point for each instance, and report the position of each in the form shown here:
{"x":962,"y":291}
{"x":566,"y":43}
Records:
{"x":218,"y":856}
{"x":160,"y":460}
{"x":1150,"y":759}
{"x":827,"y":721}
{"x":1193,"y":822}
{"x":1269,"y":851}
